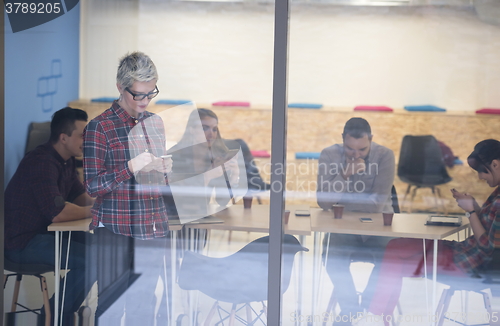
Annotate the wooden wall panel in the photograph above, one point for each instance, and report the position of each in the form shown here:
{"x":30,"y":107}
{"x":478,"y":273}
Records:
{"x":313,"y":130}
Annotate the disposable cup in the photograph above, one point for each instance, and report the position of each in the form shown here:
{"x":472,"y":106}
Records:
{"x":247,"y":202}
{"x":287,"y":216}
{"x":337,"y":210}
{"x":387,"y":218}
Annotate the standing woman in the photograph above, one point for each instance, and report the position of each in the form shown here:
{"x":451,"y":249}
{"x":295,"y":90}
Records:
{"x":402,"y":256}
{"x":124,"y":170}
{"x":112,"y":163}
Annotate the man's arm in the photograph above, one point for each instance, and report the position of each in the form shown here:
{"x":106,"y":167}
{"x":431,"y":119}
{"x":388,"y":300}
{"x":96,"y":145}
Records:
{"x":72,"y":212}
{"x":383,"y":182}
{"x":330,"y":178}
{"x":84,"y":200}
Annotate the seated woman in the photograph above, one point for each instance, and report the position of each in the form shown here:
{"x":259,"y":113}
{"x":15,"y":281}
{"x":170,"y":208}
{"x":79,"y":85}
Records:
{"x":202,"y":162}
{"x":402,"y":256}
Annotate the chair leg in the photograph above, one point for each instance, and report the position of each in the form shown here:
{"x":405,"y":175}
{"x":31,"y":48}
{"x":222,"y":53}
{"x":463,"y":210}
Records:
{"x":264,"y":309}
{"x":232,"y":317}
{"x":19,"y":277}
{"x":249,"y":313}
{"x":487,"y":303}
{"x":46,"y":303}
{"x":439,"y":308}
{"x":395,"y":321}
{"x":331,"y":305}
{"x":406,"y":195}
{"x":446,"y":304}
{"x":414,"y":193}
{"x":259,"y":200}
{"x":211,"y":314}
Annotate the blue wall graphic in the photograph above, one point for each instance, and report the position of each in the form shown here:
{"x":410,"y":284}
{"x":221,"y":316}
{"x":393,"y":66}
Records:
{"x":47,"y":85}
{"x":41,"y":77}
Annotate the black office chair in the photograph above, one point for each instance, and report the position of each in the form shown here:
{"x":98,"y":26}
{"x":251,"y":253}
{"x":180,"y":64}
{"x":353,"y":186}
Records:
{"x":240,"y":278}
{"x":421,"y":166}
{"x":38,"y":133}
{"x":255,"y":182}
{"x":485,"y":278}
{"x":27,"y":269}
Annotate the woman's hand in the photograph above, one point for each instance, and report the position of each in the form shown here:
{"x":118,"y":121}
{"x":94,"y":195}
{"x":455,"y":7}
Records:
{"x":147,"y":162}
{"x":464,"y":200}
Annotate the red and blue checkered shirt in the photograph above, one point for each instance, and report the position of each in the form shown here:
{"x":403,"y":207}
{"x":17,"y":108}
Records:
{"x":470,"y":253}
{"x":127,"y":204}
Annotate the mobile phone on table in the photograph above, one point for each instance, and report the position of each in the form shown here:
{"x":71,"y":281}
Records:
{"x":302,"y":212}
{"x":365,"y":219}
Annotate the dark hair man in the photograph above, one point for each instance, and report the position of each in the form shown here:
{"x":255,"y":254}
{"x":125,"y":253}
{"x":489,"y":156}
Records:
{"x":359,"y":175}
{"x":46,"y":189}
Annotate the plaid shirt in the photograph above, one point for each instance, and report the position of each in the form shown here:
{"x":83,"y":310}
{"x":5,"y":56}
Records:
{"x":470,"y":253}
{"x":37,"y":192}
{"x":127,"y":204}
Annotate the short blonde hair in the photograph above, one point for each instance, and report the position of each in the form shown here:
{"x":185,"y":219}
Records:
{"x":135,"y":66}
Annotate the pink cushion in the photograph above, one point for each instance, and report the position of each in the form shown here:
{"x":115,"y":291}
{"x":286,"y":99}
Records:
{"x":228,"y":103}
{"x":372,"y":108}
{"x":262,"y":153}
{"x":488,"y":111}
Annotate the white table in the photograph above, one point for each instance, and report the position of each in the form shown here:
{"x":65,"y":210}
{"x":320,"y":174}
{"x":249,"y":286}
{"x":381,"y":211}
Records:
{"x":403,"y":226}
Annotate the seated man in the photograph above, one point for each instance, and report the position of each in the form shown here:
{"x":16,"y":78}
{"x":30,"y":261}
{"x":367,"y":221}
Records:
{"x":46,"y":189}
{"x":359,"y":175}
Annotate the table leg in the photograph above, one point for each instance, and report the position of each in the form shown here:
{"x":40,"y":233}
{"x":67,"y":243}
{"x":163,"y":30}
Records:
{"x":301,"y":273}
{"x":316,"y":269}
{"x":66,"y":268}
{"x":173,"y":263}
{"x":434,"y":274}
{"x":57,"y":276}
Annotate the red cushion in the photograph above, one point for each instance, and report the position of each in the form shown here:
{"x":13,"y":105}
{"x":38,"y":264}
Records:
{"x":372,"y":108}
{"x":228,"y":103}
{"x":488,"y":111}
{"x":262,"y":153}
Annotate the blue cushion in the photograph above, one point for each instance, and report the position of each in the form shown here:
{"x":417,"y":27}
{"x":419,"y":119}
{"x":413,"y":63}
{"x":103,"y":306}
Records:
{"x":174,"y":102}
{"x":307,"y":155}
{"x":103,"y":99}
{"x":426,"y":108}
{"x":305,"y":105}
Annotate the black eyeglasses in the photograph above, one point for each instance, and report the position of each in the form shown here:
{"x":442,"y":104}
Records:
{"x":140,"y":97}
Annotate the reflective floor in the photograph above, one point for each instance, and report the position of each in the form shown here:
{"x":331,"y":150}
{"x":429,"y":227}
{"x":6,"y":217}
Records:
{"x":466,"y":306}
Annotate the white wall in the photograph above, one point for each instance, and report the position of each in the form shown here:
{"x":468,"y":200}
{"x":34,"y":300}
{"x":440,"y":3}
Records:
{"x":339,"y":55}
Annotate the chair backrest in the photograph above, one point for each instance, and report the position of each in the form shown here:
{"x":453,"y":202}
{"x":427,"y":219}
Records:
{"x":38,"y":133}
{"x":240,"y":277}
{"x":254,"y":179}
{"x":421,"y":162}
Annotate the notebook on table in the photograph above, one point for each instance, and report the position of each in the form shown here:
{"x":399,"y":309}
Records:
{"x":444,"y":220}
